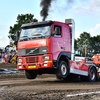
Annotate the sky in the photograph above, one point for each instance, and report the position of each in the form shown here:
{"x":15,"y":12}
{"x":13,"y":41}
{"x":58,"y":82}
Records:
{"x":86,"y":14}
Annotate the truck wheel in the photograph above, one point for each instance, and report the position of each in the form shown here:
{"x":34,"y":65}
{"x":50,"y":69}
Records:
{"x":62,"y":70}
{"x":92,"y":75}
{"x":30,"y":74}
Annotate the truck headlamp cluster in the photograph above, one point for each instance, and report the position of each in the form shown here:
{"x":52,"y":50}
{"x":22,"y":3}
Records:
{"x":20,"y":60}
{"x":46,"y":57}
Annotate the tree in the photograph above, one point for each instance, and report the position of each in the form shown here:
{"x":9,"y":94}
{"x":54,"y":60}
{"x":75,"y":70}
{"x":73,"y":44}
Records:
{"x":21,"y":19}
{"x":95,"y":43}
{"x":84,"y":40}
{"x":92,"y":44}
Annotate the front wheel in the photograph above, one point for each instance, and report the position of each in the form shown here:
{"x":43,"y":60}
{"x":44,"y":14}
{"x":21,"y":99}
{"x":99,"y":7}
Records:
{"x":62,"y":70}
{"x":92,"y":75}
{"x":31,"y":74}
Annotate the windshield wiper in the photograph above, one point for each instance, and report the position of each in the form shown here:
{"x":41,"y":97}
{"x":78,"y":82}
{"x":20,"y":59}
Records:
{"x":26,"y":37}
{"x":42,"y":36}
{"x":37,"y":35}
{"x":23,"y":36}
{"x":30,"y":38}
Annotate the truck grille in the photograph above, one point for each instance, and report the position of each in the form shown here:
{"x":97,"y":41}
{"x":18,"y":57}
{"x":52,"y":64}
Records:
{"x":33,"y":51}
{"x":32,"y":59}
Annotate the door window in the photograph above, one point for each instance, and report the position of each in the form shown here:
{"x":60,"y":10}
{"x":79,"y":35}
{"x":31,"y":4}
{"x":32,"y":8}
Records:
{"x":60,"y":33}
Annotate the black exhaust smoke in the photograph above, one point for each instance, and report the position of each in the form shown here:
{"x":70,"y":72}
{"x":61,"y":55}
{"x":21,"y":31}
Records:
{"x":45,"y":4}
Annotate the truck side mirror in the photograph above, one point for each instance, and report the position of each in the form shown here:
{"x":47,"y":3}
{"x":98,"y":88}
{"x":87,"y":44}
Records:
{"x":57,"y":31}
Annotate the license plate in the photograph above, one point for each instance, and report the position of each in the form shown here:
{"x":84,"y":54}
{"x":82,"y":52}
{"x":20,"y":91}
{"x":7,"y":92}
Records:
{"x":31,"y":66}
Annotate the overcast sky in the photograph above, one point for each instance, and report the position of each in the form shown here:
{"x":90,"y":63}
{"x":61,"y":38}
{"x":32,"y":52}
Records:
{"x":86,"y":14}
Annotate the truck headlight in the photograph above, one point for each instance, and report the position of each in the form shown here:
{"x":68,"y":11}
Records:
{"x":20,"y":60}
{"x":46,"y":57}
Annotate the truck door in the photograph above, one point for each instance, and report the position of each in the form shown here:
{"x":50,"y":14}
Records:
{"x":67,"y":40}
{"x":57,"y":42}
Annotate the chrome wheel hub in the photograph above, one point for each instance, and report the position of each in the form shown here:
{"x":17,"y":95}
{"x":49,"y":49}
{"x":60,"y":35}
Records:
{"x":92,"y":75}
{"x":63,"y":69}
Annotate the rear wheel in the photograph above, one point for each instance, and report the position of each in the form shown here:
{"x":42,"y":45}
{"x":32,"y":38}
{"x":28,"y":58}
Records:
{"x":92,"y":75}
{"x":31,"y":74}
{"x":62,"y":70}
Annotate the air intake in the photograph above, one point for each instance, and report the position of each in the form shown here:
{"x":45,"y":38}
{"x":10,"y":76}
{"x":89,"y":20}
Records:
{"x":71,"y":24}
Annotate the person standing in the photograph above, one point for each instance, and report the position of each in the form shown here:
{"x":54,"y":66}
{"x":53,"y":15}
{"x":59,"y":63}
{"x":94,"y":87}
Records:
{"x":3,"y":58}
{"x":6,"y":58}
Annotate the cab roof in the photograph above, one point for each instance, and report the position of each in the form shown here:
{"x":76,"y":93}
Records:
{"x":36,"y":23}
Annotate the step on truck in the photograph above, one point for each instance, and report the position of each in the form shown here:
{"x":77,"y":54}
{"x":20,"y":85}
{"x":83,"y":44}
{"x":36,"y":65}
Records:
{"x":48,"y":48}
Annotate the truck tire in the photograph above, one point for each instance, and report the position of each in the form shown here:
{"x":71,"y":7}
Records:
{"x":62,"y":70}
{"x":30,"y":74}
{"x":92,"y":75}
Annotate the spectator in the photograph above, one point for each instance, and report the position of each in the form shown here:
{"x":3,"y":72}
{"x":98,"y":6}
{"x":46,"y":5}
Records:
{"x":6,"y":58}
{"x":3,"y":58}
{"x":4,"y":55}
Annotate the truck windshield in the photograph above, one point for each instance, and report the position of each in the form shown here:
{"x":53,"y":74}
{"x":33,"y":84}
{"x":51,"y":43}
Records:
{"x":35,"y":32}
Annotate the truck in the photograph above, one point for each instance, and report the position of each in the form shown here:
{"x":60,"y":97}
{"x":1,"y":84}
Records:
{"x":47,"y":47}
{"x":96,"y":60}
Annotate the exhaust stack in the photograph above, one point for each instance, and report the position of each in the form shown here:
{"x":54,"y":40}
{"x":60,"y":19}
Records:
{"x":71,"y":24}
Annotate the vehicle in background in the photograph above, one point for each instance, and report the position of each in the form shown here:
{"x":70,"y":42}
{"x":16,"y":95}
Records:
{"x":14,"y":59}
{"x":96,"y":60}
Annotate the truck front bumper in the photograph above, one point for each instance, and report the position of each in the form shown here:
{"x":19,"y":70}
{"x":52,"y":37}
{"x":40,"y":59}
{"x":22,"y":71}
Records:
{"x":35,"y":62}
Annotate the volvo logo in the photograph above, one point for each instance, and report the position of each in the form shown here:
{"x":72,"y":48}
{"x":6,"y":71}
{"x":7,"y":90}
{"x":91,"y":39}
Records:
{"x":31,"y":51}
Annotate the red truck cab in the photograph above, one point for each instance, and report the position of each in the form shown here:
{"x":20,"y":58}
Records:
{"x":96,"y":60}
{"x":48,"y":47}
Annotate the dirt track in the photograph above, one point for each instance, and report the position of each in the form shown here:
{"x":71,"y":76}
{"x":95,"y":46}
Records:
{"x":45,"y":87}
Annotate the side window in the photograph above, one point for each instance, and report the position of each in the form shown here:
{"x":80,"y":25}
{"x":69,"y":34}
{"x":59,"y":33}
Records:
{"x":59,"y":28}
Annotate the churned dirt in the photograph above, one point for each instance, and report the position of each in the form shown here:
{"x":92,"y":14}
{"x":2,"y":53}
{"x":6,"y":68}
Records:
{"x":16,"y":86}
{"x":4,"y":66}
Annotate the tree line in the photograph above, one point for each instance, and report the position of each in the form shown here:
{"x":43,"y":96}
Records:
{"x":92,"y":44}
